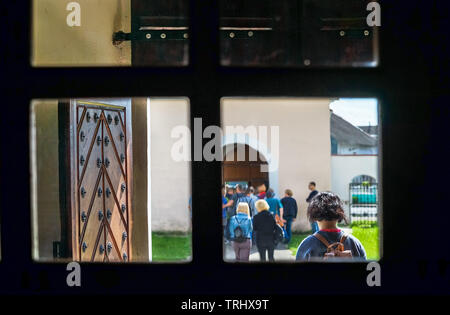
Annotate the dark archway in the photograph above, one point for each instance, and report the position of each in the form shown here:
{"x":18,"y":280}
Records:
{"x":243,"y":171}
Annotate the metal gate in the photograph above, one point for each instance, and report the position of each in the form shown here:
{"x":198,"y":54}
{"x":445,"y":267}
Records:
{"x":363,"y":200}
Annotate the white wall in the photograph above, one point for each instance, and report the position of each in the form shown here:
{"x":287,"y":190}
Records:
{"x":345,"y":167}
{"x":304,"y":141}
{"x":54,"y":43}
{"x":170,"y":180}
{"x":345,"y":148}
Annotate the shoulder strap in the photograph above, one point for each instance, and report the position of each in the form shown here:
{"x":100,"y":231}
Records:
{"x":322,"y":239}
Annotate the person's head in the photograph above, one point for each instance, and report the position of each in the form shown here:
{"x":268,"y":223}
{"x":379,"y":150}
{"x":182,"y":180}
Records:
{"x":239,"y":188}
{"x":252,"y":190}
{"x":248,"y":191}
{"x":261,"y":188}
{"x":288,"y":193}
{"x":270,"y":193}
{"x":326,"y":206}
{"x":312,"y":186}
{"x":261,"y":205}
{"x":230,"y":190}
{"x":242,"y":207}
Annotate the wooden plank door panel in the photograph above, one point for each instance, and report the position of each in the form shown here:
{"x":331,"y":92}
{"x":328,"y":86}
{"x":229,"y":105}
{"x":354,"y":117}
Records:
{"x":161,"y":31}
{"x":99,"y":254}
{"x":100,"y":170}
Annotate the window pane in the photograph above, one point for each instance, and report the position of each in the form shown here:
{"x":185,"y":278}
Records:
{"x":110,"y":33}
{"x":278,"y":154}
{"x":297,"y":33}
{"x":100,"y":172}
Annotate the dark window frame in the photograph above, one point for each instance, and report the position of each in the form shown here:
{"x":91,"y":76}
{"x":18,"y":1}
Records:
{"x":401,"y":79}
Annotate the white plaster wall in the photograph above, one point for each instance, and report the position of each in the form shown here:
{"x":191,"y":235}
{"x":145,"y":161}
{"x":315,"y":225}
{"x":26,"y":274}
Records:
{"x":54,"y":43}
{"x":345,"y":167}
{"x":344,"y":148}
{"x":171,"y":180}
{"x":304,"y":153}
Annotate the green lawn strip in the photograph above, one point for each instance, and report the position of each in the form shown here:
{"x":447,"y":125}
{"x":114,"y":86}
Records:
{"x":296,"y":239}
{"x":177,"y":246}
{"x":369,"y":239}
{"x":171,"y":246}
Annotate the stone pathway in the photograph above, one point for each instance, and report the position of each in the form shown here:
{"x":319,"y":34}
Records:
{"x":281,"y":254}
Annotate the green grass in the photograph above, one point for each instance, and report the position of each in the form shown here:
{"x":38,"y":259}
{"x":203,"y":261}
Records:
{"x":367,"y":235}
{"x":296,"y":239}
{"x":171,"y":247}
{"x":369,"y":239}
{"x":177,"y":247}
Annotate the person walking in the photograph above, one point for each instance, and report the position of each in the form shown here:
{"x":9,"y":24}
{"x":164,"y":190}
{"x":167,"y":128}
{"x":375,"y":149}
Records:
{"x":240,"y":193}
{"x":225,"y":205}
{"x":241,"y":228}
{"x":261,"y":191}
{"x":329,"y":242}
{"x":290,"y":210}
{"x":254,"y":199}
{"x":275,"y":206}
{"x":264,"y":226}
{"x":312,"y":194}
{"x":231,"y":206}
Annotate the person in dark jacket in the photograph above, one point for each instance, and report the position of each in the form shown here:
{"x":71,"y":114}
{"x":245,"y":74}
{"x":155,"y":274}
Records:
{"x":289,"y":212}
{"x":240,"y":193}
{"x":312,"y":194}
{"x":264,"y":226}
{"x":327,"y":209}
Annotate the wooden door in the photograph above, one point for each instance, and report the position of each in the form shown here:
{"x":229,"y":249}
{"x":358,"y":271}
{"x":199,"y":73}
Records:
{"x":99,"y":152}
{"x":335,"y":33}
{"x":259,"y":32}
{"x":297,"y":33}
{"x":160,"y":31}
{"x":245,"y":171}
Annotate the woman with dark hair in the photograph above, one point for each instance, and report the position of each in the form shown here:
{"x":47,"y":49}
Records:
{"x":326,"y":208}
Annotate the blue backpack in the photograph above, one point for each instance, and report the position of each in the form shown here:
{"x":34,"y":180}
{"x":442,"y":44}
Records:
{"x":239,"y":233}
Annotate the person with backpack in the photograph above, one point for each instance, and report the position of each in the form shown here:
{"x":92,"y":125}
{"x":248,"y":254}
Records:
{"x":250,"y":201}
{"x":290,"y":210}
{"x":265,"y":228}
{"x":329,"y":242}
{"x":275,"y":206}
{"x":251,"y":194}
{"x":241,"y":228}
{"x":239,"y":194}
{"x":231,"y":206}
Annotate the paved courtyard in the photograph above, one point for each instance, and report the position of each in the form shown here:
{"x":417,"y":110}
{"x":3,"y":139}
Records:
{"x":281,"y":254}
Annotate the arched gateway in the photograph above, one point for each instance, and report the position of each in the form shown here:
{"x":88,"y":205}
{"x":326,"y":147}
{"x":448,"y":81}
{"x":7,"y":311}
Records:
{"x":247,"y":171}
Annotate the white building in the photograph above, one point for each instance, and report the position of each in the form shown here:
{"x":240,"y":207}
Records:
{"x":354,"y":153}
